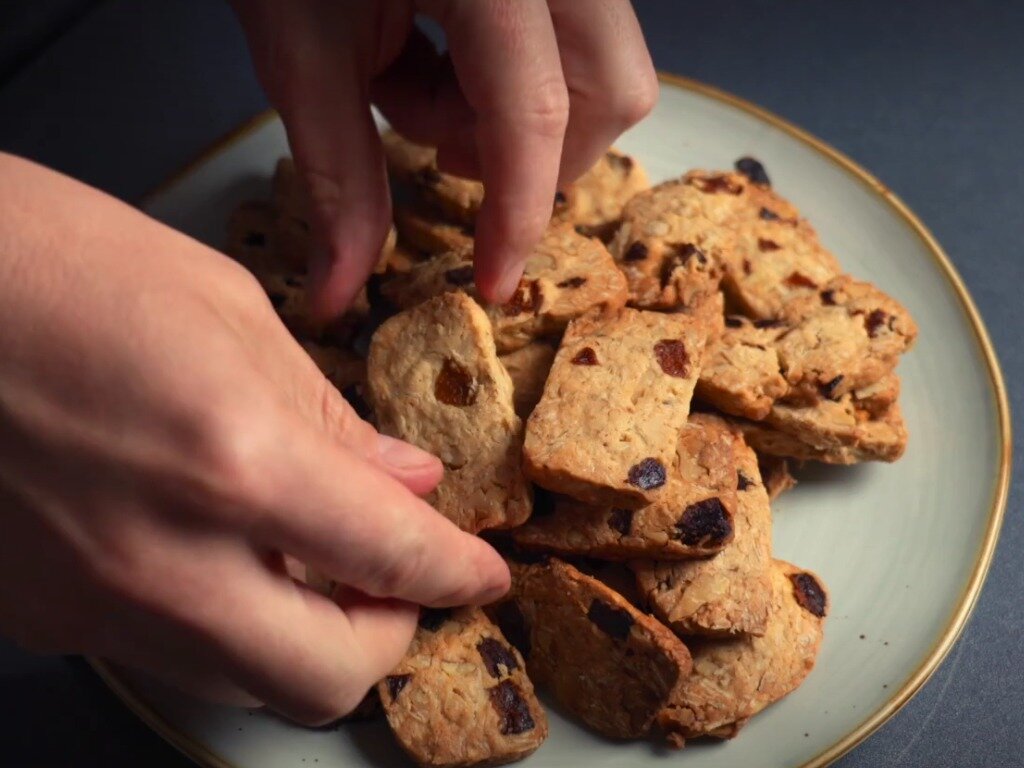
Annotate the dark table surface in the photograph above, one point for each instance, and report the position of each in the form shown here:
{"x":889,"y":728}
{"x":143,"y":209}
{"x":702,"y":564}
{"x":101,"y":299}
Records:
{"x":928,"y":95}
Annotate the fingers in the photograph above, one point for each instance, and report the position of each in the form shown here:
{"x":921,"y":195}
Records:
{"x":314,"y":61}
{"x":347,"y":518}
{"x":506,"y":59}
{"x":608,"y":70}
{"x":301,"y":653}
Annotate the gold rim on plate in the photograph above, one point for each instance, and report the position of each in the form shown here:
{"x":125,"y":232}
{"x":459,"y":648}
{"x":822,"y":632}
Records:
{"x":202,"y":754}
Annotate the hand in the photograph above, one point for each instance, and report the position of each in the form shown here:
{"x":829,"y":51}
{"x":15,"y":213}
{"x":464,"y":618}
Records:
{"x":164,"y":443}
{"x":532,"y":93}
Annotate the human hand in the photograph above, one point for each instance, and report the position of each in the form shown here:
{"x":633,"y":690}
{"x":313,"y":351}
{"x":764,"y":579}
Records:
{"x":164,"y":443}
{"x":532,"y":93}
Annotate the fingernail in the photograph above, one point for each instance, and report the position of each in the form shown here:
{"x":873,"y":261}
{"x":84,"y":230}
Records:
{"x":402,"y":455}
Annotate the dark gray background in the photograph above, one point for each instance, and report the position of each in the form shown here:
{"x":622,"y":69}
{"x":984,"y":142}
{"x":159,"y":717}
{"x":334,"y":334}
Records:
{"x":926,"y":94}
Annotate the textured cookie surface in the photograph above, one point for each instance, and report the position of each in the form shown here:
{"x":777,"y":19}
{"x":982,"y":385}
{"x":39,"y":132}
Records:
{"x":833,"y":432}
{"x":528,"y":367}
{"x":461,"y":697}
{"x":594,"y":202}
{"x":607,"y":426}
{"x":694,"y":517}
{"x":427,"y":232}
{"x":565,"y":276}
{"x":607,"y":663}
{"x":735,"y":679}
{"x":730,"y":593}
{"x":435,"y":381}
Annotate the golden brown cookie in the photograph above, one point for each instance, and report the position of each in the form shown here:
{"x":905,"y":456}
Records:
{"x":735,"y":679}
{"x":607,"y":426}
{"x":607,"y":663}
{"x":528,"y":367}
{"x":435,"y":381}
{"x":776,"y":475}
{"x":461,"y":697}
{"x":594,"y":202}
{"x":694,"y":516}
{"x":565,"y":276}
{"x":425,"y":231}
{"x":730,"y":593}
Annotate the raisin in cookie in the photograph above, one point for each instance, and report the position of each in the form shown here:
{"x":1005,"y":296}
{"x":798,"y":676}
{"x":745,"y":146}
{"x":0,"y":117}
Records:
{"x":694,"y":517}
{"x":435,"y":381}
{"x":607,"y":663}
{"x":461,"y":697}
{"x":607,"y":426}
{"x":730,"y":593}
{"x":733,"y":680}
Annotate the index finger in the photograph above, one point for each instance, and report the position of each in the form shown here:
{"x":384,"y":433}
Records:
{"x":506,"y":58}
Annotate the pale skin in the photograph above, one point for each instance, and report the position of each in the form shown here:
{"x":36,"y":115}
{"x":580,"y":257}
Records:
{"x":164,"y":443}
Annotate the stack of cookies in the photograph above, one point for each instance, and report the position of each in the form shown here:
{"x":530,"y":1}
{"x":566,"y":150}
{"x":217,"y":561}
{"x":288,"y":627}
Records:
{"x":618,"y":429}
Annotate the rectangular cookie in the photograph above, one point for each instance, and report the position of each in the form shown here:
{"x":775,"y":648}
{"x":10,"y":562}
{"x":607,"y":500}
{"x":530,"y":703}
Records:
{"x":830,"y":432}
{"x":565,"y":276}
{"x":732,"y":680}
{"x":607,"y":663}
{"x":435,"y":381}
{"x":607,"y":426}
{"x":694,"y":517}
{"x":461,"y":697}
{"x":730,"y":593}
{"x":528,"y":367}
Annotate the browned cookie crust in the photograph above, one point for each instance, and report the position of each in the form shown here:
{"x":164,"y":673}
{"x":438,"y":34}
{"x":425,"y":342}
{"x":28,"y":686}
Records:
{"x":606,"y":662}
{"x":528,"y":367}
{"x":606,"y":429}
{"x":733,"y":680}
{"x":435,"y":380}
{"x":776,"y":475}
{"x":594,"y":202}
{"x":425,"y":231}
{"x":694,"y":517}
{"x":461,"y":697}
{"x":730,"y":593}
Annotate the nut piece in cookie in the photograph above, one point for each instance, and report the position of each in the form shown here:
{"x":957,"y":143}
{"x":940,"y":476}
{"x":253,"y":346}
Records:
{"x":435,"y":381}
{"x":730,"y":593}
{"x":833,"y":432}
{"x":609,"y":664}
{"x":565,"y":276}
{"x":735,"y":679}
{"x":528,"y":367}
{"x":607,"y":427}
{"x":671,"y":245}
{"x":594,"y":202}
{"x":693,"y":517}
{"x":461,"y":697}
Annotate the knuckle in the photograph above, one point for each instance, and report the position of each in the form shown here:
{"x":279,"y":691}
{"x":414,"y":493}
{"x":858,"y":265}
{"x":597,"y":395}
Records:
{"x":634,"y":105}
{"x":403,"y":569}
{"x":233,"y":444}
{"x":547,"y":112}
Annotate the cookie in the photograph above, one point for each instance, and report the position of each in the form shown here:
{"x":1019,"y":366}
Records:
{"x":606,"y":429}
{"x":565,"y":276}
{"x":776,"y":475}
{"x":732,"y":680}
{"x":461,"y":697}
{"x":426,"y":232}
{"x":528,"y":367}
{"x":844,"y":337}
{"x":414,"y":165}
{"x":435,"y":381}
{"x":830,"y":432}
{"x":251,"y":236}
{"x":693,"y":517}
{"x":776,"y":255}
{"x":288,"y":295}
{"x":730,"y":593}
{"x":607,"y":663}
{"x":594,"y":202}
{"x":742,"y":374}
{"x":671,"y":246}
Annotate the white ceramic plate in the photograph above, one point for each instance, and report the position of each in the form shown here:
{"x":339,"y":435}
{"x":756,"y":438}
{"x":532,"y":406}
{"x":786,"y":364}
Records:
{"x":903,"y":548}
